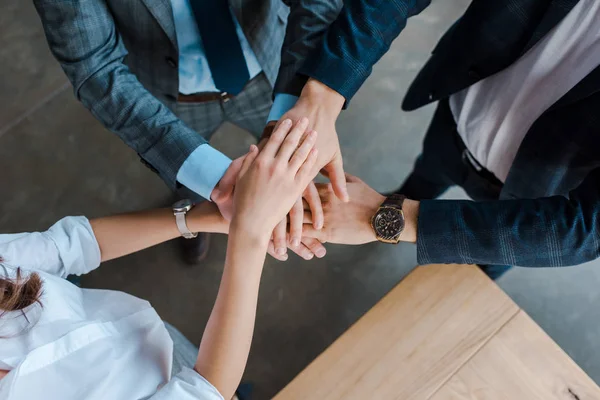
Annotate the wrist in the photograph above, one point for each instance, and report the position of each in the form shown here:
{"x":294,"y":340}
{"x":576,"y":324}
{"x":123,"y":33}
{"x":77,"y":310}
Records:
{"x":249,"y":233}
{"x":205,"y":217}
{"x":374,"y":205}
{"x":410,"y":209}
{"x":323,"y":95}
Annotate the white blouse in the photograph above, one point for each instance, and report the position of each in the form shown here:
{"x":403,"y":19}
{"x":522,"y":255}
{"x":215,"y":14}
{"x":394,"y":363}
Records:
{"x":83,"y":343}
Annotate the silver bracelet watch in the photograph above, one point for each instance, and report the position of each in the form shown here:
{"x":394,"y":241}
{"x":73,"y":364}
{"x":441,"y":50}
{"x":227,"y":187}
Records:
{"x":180,"y":209}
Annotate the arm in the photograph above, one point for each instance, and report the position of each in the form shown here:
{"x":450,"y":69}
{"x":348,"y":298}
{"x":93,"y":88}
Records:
{"x":269,"y":184}
{"x":307,"y":23}
{"x":356,"y":40}
{"x":77,"y":246}
{"x":84,"y":39}
{"x":545,"y":232}
{"x":124,"y":234}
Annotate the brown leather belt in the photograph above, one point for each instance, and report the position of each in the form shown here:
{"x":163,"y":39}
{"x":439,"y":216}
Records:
{"x":204,"y":97}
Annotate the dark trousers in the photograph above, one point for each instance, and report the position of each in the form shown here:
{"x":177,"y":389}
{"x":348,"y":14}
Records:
{"x":445,"y":162}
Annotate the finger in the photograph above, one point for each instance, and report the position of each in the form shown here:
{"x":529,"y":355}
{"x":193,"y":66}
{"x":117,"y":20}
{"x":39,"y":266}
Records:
{"x":292,"y":140}
{"x":280,"y":237}
{"x":310,"y":232}
{"x":335,"y":170}
{"x":307,"y":218}
{"x":296,"y":222}
{"x":315,"y":246}
{"x":303,"y":251}
{"x":248,"y":160}
{"x":351,"y":178}
{"x":271,"y":251}
{"x":302,"y":152}
{"x":305,"y":173}
{"x":274,"y":142}
{"x":311,"y":195}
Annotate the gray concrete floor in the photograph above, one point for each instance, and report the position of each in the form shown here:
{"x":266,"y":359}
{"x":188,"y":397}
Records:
{"x":56,"y":160}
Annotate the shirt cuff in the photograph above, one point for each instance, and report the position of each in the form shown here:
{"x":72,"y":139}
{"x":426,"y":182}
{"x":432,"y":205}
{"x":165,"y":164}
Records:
{"x":283,"y":103}
{"x":203,"y":169}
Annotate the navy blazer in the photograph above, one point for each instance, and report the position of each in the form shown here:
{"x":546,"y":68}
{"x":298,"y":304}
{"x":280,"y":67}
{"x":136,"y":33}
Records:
{"x":549,"y":209}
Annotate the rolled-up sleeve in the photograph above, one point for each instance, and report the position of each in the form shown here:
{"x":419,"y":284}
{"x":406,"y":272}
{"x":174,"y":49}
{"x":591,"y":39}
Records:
{"x":68,"y":247}
{"x":188,"y":385}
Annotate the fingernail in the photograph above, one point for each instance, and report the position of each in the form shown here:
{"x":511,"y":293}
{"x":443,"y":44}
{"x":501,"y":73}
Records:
{"x":309,"y":257}
{"x":319,"y":225}
{"x":287,"y":122}
{"x":304,"y":121}
{"x":284,"y":257}
{"x":320,"y":253}
{"x":280,"y":251}
{"x":296,"y":242}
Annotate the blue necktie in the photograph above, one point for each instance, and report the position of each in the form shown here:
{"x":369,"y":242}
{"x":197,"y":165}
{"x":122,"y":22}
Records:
{"x":221,"y":45}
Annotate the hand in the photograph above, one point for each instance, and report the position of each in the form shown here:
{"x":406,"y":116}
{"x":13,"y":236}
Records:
{"x":350,"y":223}
{"x":322,"y":105}
{"x":306,"y":248}
{"x":346,"y":223}
{"x":222,"y":194}
{"x":270,"y":182}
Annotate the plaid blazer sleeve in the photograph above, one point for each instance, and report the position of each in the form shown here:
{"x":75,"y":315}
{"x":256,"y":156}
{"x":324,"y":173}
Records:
{"x":307,"y":23}
{"x":546,"y":232}
{"x":83,"y":38}
{"x":356,"y":40}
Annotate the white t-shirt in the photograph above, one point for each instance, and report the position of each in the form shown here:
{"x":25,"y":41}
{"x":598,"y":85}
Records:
{"x":493,"y":115}
{"x":84,"y":343}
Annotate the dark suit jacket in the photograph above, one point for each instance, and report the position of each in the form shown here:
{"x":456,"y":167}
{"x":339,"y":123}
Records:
{"x":549,"y":212}
{"x":121,"y":58}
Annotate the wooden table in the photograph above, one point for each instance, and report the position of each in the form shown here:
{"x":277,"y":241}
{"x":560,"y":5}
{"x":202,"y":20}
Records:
{"x":445,"y":332}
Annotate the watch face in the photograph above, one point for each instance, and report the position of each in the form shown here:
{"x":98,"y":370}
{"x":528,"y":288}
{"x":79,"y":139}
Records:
{"x":388,"y":223}
{"x":183,"y":205}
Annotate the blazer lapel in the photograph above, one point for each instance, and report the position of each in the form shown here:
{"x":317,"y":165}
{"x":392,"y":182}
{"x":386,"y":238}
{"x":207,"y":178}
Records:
{"x":163,"y":13}
{"x":585,"y":88}
{"x":557,"y":10}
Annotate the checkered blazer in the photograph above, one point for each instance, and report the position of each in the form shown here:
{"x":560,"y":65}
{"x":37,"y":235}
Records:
{"x":121,"y":58}
{"x":549,"y":212}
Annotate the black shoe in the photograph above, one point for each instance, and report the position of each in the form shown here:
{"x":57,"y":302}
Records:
{"x":195,"y":250}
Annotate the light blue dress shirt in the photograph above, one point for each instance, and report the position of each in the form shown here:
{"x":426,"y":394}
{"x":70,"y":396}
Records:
{"x":205,"y":167}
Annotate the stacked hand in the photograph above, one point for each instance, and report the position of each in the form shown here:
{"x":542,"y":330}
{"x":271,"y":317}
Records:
{"x":269,"y":182}
{"x":338,"y":212}
{"x":321,"y":105}
{"x":350,"y":223}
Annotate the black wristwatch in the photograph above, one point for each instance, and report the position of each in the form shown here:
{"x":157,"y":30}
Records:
{"x":388,"y":221}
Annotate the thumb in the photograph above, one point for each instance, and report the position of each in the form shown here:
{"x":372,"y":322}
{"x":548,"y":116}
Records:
{"x":335,"y":172}
{"x":225,"y":186}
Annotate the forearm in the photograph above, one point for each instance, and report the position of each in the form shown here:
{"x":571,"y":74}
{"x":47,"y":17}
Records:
{"x":546,"y":232}
{"x":91,"y":55}
{"x":226,"y":341}
{"x":124,"y":234}
{"x":356,"y":40}
{"x":307,"y":23}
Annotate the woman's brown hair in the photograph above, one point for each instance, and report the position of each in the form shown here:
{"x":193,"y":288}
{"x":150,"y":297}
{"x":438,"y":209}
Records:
{"x":19,"y":293}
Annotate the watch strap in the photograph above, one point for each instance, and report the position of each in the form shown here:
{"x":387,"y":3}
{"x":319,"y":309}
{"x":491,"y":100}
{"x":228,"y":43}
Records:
{"x":182,"y":226}
{"x":396,"y":200}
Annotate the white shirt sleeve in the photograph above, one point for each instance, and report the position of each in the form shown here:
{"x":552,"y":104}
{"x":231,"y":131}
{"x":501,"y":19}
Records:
{"x":68,"y":247}
{"x":188,"y":385}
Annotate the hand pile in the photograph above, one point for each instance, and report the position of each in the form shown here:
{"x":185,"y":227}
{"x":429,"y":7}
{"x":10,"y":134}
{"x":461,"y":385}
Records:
{"x":320,"y":213}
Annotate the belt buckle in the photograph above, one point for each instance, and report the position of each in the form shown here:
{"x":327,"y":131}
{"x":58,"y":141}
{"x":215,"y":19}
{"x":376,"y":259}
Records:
{"x":224,"y":97}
